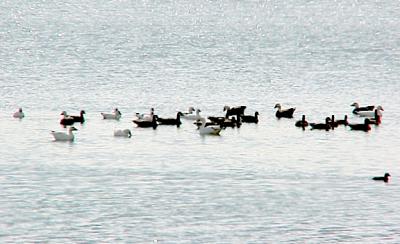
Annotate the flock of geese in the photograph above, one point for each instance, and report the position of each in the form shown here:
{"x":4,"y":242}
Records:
{"x":234,"y":117}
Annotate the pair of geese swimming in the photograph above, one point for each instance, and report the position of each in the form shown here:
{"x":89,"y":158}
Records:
{"x":373,"y":116}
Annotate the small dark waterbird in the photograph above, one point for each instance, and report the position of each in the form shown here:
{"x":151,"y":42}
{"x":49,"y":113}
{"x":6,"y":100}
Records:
{"x":364,"y":126}
{"x":250,"y":118}
{"x":385,"y":178}
{"x":321,"y":126}
{"x":302,"y":123}
{"x":80,"y":118}
{"x":171,"y":121}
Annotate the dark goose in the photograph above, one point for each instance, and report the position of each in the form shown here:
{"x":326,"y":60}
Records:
{"x":146,"y":123}
{"x":321,"y":126}
{"x":385,"y":178}
{"x":364,"y":127}
{"x":171,"y":121}
{"x":250,"y":118}
{"x":358,"y":108}
{"x":302,"y":123}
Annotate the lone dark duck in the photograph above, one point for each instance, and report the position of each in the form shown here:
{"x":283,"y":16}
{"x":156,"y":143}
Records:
{"x":385,"y":178}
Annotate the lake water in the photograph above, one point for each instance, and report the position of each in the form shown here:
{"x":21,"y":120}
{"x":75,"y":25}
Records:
{"x":265,"y":183}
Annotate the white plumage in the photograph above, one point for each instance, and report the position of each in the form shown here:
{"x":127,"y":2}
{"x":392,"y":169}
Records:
{"x":370,"y":114}
{"x":19,"y":114}
{"x":62,"y":136}
{"x":208,"y":130}
{"x":123,"y":133}
{"x":116,"y":115}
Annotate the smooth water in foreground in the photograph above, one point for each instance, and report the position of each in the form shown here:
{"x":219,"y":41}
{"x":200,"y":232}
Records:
{"x":264,"y":183}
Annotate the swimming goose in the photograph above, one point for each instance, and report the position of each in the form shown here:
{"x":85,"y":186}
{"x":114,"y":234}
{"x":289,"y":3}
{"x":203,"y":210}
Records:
{"x":358,"y":108}
{"x":234,"y":111}
{"x":342,"y":121}
{"x":62,"y":136}
{"x":193,"y":116}
{"x":80,"y":118}
{"x":371,"y":114}
{"x":19,"y":114}
{"x":191,"y":110}
{"x":208,"y":130}
{"x":66,"y":119}
{"x":377,"y":120}
{"x":302,"y":123}
{"x":284,"y":113}
{"x":148,"y":117}
{"x":144,"y":123}
{"x":171,"y":121}
{"x":250,"y":118}
{"x":123,"y":133}
{"x":385,"y":178}
{"x":116,"y":115}
{"x":364,"y":127}
{"x":321,"y":126}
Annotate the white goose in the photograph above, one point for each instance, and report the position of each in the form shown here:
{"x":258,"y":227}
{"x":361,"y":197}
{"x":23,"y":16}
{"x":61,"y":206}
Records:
{"x":19,"y":114}
{"x":370,"y":114}
{"x":148,"y":117}
{"x":123,"y":133}
{"x":116,"y":115}
{"x":62,"y":136}
{"x":194,"y":116}
{"x":208,"y":130}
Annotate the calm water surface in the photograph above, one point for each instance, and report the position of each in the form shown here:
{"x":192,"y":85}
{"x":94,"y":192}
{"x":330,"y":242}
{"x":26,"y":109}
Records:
{"x":265,"y":183}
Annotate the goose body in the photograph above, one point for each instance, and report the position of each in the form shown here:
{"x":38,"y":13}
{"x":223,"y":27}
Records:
{"x":358,"y":108}
{"x":250,"y":118}
{"x":190,"y":111}
{"x":116,"y":115}
{"x":193,"y":116}
{"x":321,"y":126}
{"x":171,"y":121}
{"x":284,"y":113}
{"x":123,"y":133}
{"x":234,"y":111}
{"x":148,"y":117}
{"x":364,"y":127}
{"x":62,"y":136}
{"x":302,"y":123}
{"x":385,"y":178}
{"x":208,"y":130}
{"x":66,"y":119}
{"x":80,"y":118}
{"x":144,"y":123}
{"x":371,"y":114}
{"x":342,"y":121}
{"x":19,"y":114}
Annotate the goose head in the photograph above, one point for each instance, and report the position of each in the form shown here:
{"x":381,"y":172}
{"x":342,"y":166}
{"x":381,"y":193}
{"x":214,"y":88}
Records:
{"x":83,"y":112}
{"x":226,"y":108}
{"x":380,"y":108}
{"x":64,"y":113}
{"x":278,"y":106}
{"x":191,"y":110}
{"x":355,"y":104}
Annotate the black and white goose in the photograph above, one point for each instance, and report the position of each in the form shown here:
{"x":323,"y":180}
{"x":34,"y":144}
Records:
{"x":144,"y":123}
{"x":358,"y":108}
{"x":66,"y":119}
{"x":233,"y":111}
{"x":284,"y":113}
